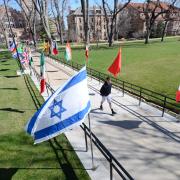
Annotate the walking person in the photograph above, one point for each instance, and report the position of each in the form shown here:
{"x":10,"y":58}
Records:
{"x":105,"y":92}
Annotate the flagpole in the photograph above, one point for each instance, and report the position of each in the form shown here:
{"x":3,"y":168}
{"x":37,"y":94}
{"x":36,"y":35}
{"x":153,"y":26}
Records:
{"x":92,"y":154}
{"x":47,"y":78}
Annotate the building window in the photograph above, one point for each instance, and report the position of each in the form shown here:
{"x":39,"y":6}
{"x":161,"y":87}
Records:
{"x":80,"y":27}
{"x":92,"y":20}
{"x":81,"y":35}
{"x":104,"y":26}
{"x":80,"y":20}
{"x":104,"y":34}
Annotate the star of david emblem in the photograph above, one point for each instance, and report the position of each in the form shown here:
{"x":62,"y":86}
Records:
{"x":57,"y":109}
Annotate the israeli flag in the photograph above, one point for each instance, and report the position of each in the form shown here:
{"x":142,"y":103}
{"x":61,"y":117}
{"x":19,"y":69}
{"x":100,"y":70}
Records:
{"x":66,"y":108}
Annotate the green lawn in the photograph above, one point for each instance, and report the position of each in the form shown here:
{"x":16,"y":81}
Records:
{"x":155,"y":66}
{"x":20,"y":159}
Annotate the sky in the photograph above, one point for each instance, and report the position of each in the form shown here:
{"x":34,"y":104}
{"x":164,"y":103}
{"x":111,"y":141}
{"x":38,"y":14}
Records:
{"x":73,"y":3}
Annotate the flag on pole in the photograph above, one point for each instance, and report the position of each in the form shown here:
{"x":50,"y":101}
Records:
{"x":115,"y":67}
{"x":54,"y":48}
{"x":12,"y":47}
{"x":68,"y":55}
{"x":42,"y":73}
{"x":178,"y":95}
{"x":59,"y":113}
{"x":87,"y":53}
{"x":31,"y":62}
{"x":25,"y":57}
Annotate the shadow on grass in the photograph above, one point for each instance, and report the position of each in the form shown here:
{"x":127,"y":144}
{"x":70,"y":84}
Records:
{"x":11,"y":110}
{"x":4,"y":69}
{"x":11,"y":76}
{"x":8,"y":88}
{"x":66,"y":166}
{"x":7,"y":173}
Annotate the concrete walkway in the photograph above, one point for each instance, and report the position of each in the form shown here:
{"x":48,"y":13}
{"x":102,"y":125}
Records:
{"x":146,"y":144}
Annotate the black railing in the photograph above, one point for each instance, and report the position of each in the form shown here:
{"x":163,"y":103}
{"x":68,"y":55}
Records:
{"x":159,"y":100}
{"x":113,"y":162}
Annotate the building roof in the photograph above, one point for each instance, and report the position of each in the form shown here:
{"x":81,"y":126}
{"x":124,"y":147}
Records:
{"x":152,"y":5}
{"x":92,"y":11}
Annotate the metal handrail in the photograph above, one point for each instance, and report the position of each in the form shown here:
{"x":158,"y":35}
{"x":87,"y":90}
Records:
{"x":162,"y":101}
{"x":114,"y":164}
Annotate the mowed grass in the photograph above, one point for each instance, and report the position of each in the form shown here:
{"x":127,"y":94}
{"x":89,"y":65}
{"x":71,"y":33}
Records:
{"x":19,"y":158}
{"x":155,"y":66}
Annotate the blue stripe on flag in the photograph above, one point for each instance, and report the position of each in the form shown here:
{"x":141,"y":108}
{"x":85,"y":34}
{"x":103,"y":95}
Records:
{"x":34,"y":118}
{"x":63,"y":124}
{"x":75,"y":80}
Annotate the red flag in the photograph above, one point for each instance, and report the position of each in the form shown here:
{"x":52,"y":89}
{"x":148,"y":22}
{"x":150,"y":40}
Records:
{"x":87,"y":53}
{"x":115,"y":67}
{"x":55,"y":51}
{"x":178,"y":95}
{"x":43,"y":83}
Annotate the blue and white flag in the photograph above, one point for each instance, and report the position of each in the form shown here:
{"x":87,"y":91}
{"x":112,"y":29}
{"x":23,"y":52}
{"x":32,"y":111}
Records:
{"x":64,"y":109}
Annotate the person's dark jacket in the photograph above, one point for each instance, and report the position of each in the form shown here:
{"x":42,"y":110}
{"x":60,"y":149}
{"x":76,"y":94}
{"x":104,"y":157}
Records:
{"x":105,"y":89}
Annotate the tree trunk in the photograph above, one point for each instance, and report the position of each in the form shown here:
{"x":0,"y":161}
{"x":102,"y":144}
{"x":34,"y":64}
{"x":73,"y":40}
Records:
{"x":164,"y":30}
{"x":110,"y":39}
{"x":85,"y":10}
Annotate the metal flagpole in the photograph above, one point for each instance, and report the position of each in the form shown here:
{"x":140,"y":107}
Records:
{"x":92,"y":154}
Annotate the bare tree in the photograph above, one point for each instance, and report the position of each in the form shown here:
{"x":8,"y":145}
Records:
{"x":30,"y":16}
{"x":41,"y":7}
{"x":85,"y":11}
{"x":152,"y":10}
{"x":111,"y":13}
{"x":169,"y":16}
{"x":4,"y":32}
{"x":11,"y":31}
{"x":58,"y":8}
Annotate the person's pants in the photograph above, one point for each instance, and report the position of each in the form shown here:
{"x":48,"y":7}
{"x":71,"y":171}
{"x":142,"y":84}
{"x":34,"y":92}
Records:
{"x":108,"y":98}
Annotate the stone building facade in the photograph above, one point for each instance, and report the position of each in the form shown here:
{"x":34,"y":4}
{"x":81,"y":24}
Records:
{"x":97,"y":25}
{"x":17,"y":23}
{"x":130,"y":23}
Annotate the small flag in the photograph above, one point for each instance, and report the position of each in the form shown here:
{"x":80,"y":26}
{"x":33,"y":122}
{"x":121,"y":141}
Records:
{"x":59,"y":113}
{"x":115,"y":67}
{"x":87,"y":53}
{"x":178,"y":95}
{"x":12,"y":47}
{"x":68,"y":55}
{"x":31,"y":62}
{"x":42,"y":73}
{"x":25,"y":57}
{"x":54,"y":48}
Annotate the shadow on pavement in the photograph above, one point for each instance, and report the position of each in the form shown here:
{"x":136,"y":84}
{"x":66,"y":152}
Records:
{"x":126,"y":124}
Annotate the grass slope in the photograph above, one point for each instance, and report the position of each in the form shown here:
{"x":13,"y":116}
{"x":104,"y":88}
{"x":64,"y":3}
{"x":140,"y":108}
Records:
{"x":155,"y":66}
{"x":20,"y":159}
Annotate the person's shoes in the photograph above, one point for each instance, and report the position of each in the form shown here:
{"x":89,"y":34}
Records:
{"x":101,"y":107}
{"x":113,"y":112}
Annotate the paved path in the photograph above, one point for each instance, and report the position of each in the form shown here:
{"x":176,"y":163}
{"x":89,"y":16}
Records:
{"x":146,"y":144}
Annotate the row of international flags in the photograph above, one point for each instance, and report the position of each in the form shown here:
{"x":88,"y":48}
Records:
{"x":25,"y":58}
{"x":23,"y":53}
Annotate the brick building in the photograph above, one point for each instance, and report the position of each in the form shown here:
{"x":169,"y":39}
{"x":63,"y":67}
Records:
{"x":97,"y":24}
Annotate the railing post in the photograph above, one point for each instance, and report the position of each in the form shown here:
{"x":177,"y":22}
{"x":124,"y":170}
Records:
{"x":99,"y":77}
{"x":123,"y":89}
{"x":85,"y":135}
{"x":111,"y":168}
{"x":140,"y":96}
{"x":164,"y":106}
{"x":91,"y":74}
